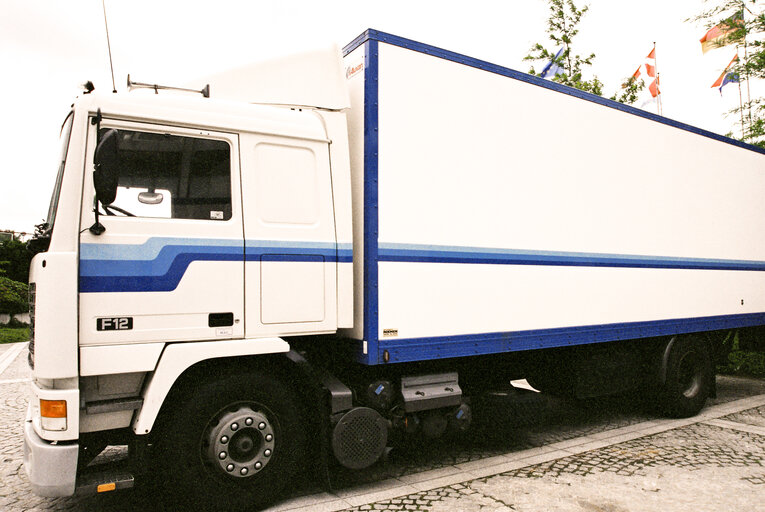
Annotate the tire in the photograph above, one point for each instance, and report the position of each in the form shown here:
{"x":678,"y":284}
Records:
{"x":264,"y":446}
{"x":688,"y":378}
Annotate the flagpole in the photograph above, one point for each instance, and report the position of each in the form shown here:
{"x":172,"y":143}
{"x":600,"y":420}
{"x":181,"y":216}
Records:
{"x":658,"y":95}
{"x":658,"y":83}
{"x":746,"y":59}
{"x":740,"y":95}
{"x":741,"y":108}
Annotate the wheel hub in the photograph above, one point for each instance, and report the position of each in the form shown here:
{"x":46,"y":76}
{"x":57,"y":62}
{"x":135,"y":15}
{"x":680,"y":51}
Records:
{"x":242,"y":442}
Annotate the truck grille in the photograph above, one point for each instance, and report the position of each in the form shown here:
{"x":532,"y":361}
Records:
{"x":32,"y":325}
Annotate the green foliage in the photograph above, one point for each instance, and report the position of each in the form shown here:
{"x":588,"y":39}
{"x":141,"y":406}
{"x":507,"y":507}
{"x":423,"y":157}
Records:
{"x":630,"y":90}
{"x":561,"y":30}
{"x":742,"y":362}
{"x":8,"y":335}
{"x":14,"y":260}
{"x":751,"y":115}
{"x":13,"y":296}
{"x":745,"y":355}
{"x":748,"y":34}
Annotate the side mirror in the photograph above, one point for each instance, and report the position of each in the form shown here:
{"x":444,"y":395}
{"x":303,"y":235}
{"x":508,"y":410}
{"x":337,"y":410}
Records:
{"x":106,"y":162}
{"x":150,"y":197}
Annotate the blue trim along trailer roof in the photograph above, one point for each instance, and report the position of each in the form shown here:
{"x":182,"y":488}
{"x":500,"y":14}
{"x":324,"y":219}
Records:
{"x":376,"y":35}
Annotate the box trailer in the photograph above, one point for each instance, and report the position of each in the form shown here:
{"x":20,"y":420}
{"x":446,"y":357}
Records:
{"x":503,"y":213}
{"x":340,"y":249}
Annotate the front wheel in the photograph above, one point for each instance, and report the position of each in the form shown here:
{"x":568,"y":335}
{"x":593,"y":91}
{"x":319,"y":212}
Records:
{"x":688,"y":380}
{"x":234,"y":443}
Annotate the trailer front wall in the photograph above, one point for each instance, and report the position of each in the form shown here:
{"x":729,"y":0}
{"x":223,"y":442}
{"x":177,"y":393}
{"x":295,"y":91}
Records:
{"x":512,"y":216}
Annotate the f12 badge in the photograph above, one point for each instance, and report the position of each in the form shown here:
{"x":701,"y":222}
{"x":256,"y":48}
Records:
{"x":123,"y":323}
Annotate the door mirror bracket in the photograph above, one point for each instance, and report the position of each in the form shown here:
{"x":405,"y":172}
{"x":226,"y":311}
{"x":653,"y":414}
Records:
{"x":106,"y":170}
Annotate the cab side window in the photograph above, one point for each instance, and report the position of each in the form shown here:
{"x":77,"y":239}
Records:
{"x":171,"y":176}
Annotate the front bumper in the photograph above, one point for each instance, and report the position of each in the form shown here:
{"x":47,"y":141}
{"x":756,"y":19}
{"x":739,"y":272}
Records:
{"x":51,"y":468}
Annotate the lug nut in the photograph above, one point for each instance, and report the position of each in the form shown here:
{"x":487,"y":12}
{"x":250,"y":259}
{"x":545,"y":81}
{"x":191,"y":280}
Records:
{"x":234,"y":426}
{"x":269,"y":437}
{"x":243,"y":471}
{"x":230,"y":468}
{"x":261,"y":425}
{"x":224,"y":439}
{"x":258,"y":465}
{"x":222,"y":455}
{"x":248,"y":421}
{"x":267,"y":453}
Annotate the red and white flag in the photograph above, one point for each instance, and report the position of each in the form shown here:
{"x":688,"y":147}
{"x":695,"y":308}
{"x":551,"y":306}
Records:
{"x":648,"y":68}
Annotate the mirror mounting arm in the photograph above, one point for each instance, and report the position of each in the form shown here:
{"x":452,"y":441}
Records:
{"x":97,"y":228}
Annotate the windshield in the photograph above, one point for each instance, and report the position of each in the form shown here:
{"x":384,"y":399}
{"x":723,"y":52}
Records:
{"x":66,"y":130}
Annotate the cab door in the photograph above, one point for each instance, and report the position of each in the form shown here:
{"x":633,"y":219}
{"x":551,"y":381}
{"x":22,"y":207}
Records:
{"x":170,"y":264}
{"x":290,"y":244}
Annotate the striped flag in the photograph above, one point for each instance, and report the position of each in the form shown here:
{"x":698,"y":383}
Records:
{"x":648,"y":68}
{"x":727,"y":77}
{"x":723,"y":34}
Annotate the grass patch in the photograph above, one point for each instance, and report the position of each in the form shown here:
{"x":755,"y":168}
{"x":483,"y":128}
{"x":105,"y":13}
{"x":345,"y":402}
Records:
{"x":745,"y":356}
{"x":744,"y":362}
{"x":12,"y":335}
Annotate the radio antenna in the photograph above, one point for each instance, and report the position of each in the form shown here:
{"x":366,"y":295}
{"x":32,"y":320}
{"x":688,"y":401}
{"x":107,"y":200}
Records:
{"x":109,"y":46}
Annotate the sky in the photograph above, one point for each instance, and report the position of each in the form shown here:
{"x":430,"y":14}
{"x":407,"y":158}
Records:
{"x":49,"y":48}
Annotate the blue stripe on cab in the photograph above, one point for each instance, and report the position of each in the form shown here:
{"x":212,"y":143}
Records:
{"x":159,"y":264}
{"x":142,"y":279}
{"x":132,"y":264}
{"x":151,"y":248}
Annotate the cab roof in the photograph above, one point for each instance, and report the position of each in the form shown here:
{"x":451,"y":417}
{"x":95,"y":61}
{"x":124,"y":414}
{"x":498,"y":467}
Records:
{"x":194,"y":111}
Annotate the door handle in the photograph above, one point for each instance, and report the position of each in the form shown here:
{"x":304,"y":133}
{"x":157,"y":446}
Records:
{"x":220,"y":319}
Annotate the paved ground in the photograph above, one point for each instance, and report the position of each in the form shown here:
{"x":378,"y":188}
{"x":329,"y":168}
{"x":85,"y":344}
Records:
{"x":531,"y":453}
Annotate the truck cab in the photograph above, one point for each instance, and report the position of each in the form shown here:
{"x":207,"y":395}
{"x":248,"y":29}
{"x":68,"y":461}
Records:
{"x":219,"y":226}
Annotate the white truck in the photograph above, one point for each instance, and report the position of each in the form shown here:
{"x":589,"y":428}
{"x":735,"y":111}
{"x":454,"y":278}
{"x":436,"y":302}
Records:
{"x":330,"y":249}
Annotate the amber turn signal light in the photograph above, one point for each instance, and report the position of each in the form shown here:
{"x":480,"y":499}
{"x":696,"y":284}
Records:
{"x":53,"y":408}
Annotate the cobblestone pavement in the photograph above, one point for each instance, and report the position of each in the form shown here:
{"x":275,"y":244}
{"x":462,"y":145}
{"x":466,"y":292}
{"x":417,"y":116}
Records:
{"x":677,"y":467}
{"x":530,"y":452}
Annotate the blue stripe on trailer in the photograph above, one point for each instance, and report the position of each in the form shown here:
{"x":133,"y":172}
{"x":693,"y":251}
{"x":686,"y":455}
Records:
{"x":419,"y":349}
{"x":483,"y":255}
{"x":372,"y":35}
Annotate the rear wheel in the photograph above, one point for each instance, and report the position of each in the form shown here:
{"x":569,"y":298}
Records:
{"x":235,"y":442}
{"x":550,"y":385}
{"x":688,"y":378}
{"x":552,"y":380}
